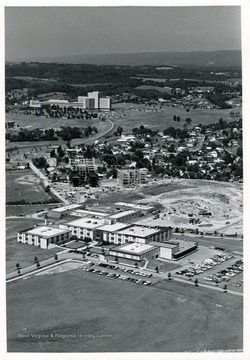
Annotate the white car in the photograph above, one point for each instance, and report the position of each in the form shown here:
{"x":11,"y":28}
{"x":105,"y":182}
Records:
{"x":230,"y":274}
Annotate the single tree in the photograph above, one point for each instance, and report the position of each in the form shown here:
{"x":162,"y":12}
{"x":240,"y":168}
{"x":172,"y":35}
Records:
{"x":38,"y":264}
{"x":196,"y":282}
{"x":169,"y":276}
{"x":18,"y":266}
{"x":136,"y":264}
{"x":35,"y":259}
{"x":56,"y":257}
{"x":157,"y":269}
{"x":87,"y":240}
{"x":225,"y":288}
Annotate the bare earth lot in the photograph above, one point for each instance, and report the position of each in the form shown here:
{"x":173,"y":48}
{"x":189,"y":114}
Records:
{"x":179,"y":197}
{"x":105,"y":315}
{"x":224,"y":201}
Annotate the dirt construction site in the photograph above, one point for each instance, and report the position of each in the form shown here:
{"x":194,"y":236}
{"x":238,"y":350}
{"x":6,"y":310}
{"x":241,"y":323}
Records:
{"x":203,"y":205}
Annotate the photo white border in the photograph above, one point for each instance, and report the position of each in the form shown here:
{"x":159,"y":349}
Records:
{"x":245,"y":6}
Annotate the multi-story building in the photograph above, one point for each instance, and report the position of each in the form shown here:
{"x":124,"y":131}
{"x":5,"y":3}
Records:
{"x":93,"y":101}
{"x":43,"y":236}
{"x":109,"y":232}
{"x":105,"y":103}
{"x":132,"y":177}
{"x":83,"y":227}
{"x":144,"y":234}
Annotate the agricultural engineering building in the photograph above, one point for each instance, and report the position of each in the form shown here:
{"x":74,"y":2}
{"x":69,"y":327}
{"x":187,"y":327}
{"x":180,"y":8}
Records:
{"x":43,"y":236}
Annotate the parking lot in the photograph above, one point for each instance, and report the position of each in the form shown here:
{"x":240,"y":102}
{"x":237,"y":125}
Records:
{"x":221,"y":268}
{"x":103,"y":269}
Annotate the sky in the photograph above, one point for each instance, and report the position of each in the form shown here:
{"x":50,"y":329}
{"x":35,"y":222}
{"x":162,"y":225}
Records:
{"x":33,"y":32}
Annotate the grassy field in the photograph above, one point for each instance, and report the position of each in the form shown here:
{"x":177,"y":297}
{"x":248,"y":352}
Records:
{"x":22,"y":210}
{"x":22,"y":253}
{"x":103,"y":315}
{"x":164,"y":117}
{"x":31,"y":122}
{"x":23,"y":184}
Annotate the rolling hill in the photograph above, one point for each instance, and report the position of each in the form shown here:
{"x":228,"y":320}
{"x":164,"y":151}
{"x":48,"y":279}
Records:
{"x":194,"y":58}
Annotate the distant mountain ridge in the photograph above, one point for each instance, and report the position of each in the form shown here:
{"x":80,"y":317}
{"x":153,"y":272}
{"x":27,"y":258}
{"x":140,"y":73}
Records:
{"x":193,"y":58}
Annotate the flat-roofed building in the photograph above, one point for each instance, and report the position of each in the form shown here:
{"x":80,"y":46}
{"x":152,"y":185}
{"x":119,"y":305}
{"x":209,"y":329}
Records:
{"x":125,"y":215}
{"x":144,"y":234}
{"x":35,"y":104}
{"x":83,"y":227}
{"x":60,"y":103}
{"x":186,"y":247}
{"x":83,"y":100}
{"x":95,"y":95}
{"x":143,"y":208}
{"x":105,"y":103}
{"x":109,"y":233}
{"x":43,"y":236}
{"x":135,"y":251}
{"x":166,"y":250}
{"x":132,"y":177}
{"x":88,"y":213}
{"x":59,"y":212}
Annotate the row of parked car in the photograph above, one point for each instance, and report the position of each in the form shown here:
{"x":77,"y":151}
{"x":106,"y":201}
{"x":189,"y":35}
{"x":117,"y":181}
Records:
{"x":117,"y":276}
{"x":227,"y":274}
{"x":130,"y":271}
{"x":205,"y":265}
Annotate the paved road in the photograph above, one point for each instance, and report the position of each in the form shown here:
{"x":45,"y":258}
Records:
{"x":228,"y":243}
{"x":34,"y":144}
{"x":208,"y":286}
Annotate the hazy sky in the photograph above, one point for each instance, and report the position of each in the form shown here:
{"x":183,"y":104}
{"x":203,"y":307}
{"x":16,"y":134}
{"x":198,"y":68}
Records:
{"x":61,"y":31}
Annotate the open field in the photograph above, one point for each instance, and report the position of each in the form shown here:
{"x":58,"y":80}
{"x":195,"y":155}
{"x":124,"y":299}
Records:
{"x":22,"y":210}
{"x":23,"y":184}
{"x":103,"y":315}
{"x":163,"y":118}
{"x":31,"y":122}
{"x":152,"y":87}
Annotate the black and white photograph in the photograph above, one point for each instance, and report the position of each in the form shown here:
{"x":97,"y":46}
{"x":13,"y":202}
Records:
{"x":123,"y":156}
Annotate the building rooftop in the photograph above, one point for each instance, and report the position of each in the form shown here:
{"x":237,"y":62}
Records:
{"x":87,"y":223}
{"x":135,"y":206}
{"x":67,"y":207}
{"x":46,"y":231}
{"x":91,"y":212}
{"x":123,"y":213}
{"x":139,"y":231}
{"x":114,"y":227}
{"x":184,"y":245}
{"x":164,"y":244}
{"x":134,"y":248}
